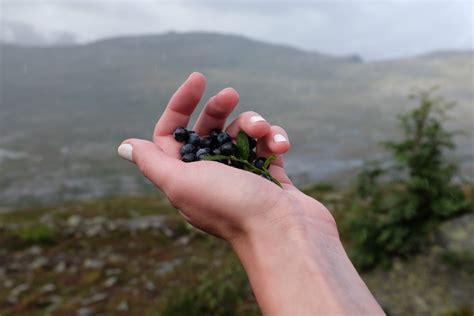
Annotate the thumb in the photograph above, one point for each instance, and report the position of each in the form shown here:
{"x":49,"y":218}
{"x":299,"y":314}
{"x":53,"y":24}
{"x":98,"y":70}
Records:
{"x":153,"y":162}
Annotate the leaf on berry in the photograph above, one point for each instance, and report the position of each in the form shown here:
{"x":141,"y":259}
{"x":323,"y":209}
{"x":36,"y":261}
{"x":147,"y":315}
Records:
{"x":269,"y":161}
{"x":215,"y":157}
{"x":242,"y":143}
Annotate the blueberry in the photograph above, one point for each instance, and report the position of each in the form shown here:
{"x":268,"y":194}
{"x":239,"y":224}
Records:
{"x":214,"y":132}
{"x":189,"y":157}
{"x":202,"y":152}
{"x":187,"y":149}
{"x":216,"y":151}
{"x":259,"y":162}
{"x":252,"y":156}
{"x":181,"y":134}
{"x":228,"y":149}
{"x":205,"y":142}
{"x":194,"y":139}
{"x":252,"y":143}
{"x":223,"y":138}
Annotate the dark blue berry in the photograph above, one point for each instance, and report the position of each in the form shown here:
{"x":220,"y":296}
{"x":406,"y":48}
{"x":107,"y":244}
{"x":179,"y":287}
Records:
{"x":252,"y":143}
{"x":181,"y":134}
{"x":187,"y":149}
{"x":216,"y":151}
{"x":223,"y":138}
{"x":205,"y":142}
{"x":194,"y":139}
{"x":259,"y":162}
{"x":189,"y":157}
{"x":214,"y":132}
{"x":202,"y":152}
{"x":228,"y":149}
{"x":252,"y":156}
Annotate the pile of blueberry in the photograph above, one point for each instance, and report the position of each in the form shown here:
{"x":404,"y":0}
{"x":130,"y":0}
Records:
{"x":218,"y":146}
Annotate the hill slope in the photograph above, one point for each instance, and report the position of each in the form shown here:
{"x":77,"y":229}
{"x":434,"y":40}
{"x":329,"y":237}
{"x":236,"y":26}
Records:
{"x":64,"y":109}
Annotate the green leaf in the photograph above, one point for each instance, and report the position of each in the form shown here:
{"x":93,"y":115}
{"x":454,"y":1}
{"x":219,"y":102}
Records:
{"x":242,"y":144}
{"x":215,"y":158}
{"x":269,"y":161}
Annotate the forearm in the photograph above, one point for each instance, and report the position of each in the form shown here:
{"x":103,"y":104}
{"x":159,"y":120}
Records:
{"x":303,"y":269}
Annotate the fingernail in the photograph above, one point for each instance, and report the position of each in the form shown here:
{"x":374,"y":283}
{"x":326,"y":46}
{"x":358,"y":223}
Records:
{"x":257,"y":118}
{"x":125,"y":151}
{"x":279,"y":138}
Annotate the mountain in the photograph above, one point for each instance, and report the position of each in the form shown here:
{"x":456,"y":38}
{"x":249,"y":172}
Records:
{"x":63,"y":110}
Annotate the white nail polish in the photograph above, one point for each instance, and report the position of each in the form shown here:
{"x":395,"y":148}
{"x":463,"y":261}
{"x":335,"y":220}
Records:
{"x":279,"y":138}
{"x":125,"y":151}
{"x":257,"y":118}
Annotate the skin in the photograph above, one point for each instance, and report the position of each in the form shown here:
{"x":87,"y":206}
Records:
{"x":287,"y":242}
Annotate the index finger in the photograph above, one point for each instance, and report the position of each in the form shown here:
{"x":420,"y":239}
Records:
{"x":181,"y":105}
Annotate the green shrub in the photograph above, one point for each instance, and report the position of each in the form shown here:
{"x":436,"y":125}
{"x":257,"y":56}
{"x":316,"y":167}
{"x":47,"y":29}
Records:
{"x":36,"y":234}
{"x":397,"y":204}
{"x":217,"y":295}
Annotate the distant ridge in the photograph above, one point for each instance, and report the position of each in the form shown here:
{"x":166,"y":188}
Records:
{"x":64,"y":109}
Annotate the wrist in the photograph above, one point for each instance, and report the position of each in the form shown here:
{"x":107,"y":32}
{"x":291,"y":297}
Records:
{"x":298,"y":261}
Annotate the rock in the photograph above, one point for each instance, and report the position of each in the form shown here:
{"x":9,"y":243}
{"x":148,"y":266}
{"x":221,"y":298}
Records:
{"x":146,"y":222}
{"x":167,"y":266}
{"x":94,"y":230}
{"x":84,"y":311}
{"x":8,"y":283}
{"x":184,"y":240}
{"x":111,"y":226}
{"x":110,"y":272}
{"x":94,"y":299}
{"x":35,"y":250}
{"x":111,"y":281}
{"x":60,"y":267}
{"x":74,"y":220}
{"x":122,"y":306}
{"x":150,"y":286}
{"x":39,"y":262}
{"x":168,"y":232}
{"x":115,"y":258}
{"x":47,"y":288}
{"x":94,"y":263}
{"x":16,"y":292}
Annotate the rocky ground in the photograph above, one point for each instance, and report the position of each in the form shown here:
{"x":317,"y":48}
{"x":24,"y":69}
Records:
{"x":136,"y":256}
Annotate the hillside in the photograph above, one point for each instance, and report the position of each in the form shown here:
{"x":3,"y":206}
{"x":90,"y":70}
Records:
{"x":50,"y":264}
{"x":63,"y":110}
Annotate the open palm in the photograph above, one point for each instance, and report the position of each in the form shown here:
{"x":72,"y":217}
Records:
{"x":211,"y":196}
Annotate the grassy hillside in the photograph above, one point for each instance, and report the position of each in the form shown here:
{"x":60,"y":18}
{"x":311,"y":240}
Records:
{"x":63,"y":110}
{"x":135,"y":256}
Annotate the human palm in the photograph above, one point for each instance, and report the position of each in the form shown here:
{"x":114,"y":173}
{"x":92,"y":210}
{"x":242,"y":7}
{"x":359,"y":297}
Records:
{"x":213,"y":197}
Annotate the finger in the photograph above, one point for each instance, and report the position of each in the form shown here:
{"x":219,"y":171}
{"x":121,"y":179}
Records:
{"x":252,"y":123}
{"x":279,"y":173}
{"x":158,"y":167}
{"x":181,"y":105}
{"x":275,"y":142}
{"x":216,"y":111}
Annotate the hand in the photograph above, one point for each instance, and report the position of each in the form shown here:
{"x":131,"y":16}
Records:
{"x":218,"y":199}
{"x":287,"y":241}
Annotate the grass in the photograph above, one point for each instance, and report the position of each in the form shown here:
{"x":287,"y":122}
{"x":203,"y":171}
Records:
{"x":175,"y":270}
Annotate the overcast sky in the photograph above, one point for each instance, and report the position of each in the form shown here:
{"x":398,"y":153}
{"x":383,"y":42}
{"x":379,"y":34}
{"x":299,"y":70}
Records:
{"x":372,"y":29}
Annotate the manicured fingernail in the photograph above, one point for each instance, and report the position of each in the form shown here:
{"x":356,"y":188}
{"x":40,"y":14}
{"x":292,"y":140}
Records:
{"x":257,"y":118}
{"x":279,"y":138}
{"x":125,"y":151}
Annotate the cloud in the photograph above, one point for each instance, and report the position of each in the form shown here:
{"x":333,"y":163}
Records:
{"x":373,"y":29}
{"x":26,"y":34}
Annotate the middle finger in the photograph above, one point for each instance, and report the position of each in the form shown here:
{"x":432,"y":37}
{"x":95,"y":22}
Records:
{"x":216,"y":111}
